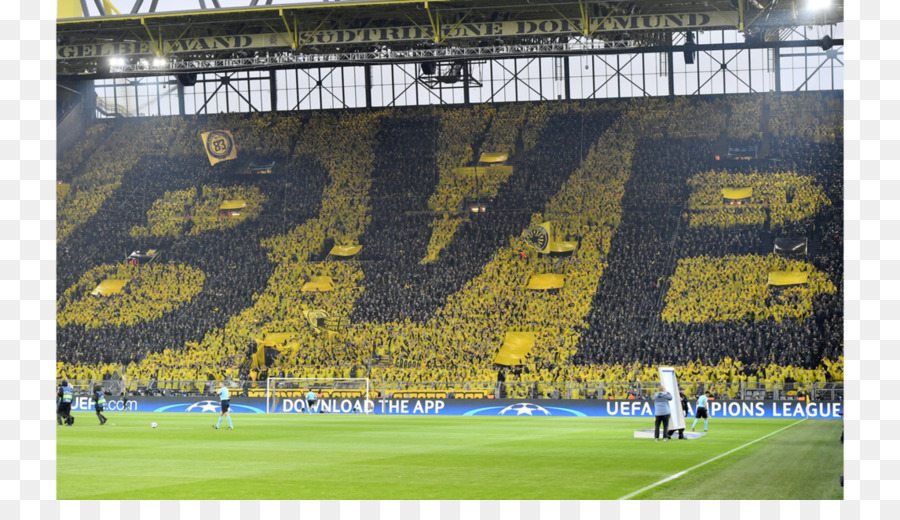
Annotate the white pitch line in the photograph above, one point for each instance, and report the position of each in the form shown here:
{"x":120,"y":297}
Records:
{"x":680,"y":473}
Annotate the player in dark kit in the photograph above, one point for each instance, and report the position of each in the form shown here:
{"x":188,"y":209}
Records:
{"x":99,"y":403}
{"x":684,"y":409}
{"x":64,"y":404}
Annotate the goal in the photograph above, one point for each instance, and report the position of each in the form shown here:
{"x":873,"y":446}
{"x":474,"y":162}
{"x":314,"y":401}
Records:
{"x":335,"y":395}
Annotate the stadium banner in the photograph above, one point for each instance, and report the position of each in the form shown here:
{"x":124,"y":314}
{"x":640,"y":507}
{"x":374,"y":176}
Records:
{"x":474,"y":407}
{"x":477,"y":30}
{"x":219,"y":146}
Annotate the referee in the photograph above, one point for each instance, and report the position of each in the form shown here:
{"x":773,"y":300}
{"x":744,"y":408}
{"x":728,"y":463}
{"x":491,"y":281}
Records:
{"x":225,"y":401}
{"x":701,"y":412}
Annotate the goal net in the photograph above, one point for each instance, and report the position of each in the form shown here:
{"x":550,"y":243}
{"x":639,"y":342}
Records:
{"x":333,"y":395}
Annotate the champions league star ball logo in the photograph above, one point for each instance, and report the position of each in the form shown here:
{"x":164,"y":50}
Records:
{"x":204,"y":406}
{"x":524,"y":409}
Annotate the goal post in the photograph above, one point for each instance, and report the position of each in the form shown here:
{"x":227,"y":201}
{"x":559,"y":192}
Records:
{"x":334,"y":394}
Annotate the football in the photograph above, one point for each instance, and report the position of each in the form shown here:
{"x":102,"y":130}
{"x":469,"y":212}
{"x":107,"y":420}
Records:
{"x":153,"y":425}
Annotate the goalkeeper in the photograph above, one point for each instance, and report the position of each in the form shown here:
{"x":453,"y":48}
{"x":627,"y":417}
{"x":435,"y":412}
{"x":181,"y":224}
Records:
{"x":311,"y":399}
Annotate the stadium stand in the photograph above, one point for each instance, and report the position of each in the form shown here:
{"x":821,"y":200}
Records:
{"x":612,"y":177}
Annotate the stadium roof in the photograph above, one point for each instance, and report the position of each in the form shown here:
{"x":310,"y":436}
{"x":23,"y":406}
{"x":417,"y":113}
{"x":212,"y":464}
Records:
{"x":86,"y":43}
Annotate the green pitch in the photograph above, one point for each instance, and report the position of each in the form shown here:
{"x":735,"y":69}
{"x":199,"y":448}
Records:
{"x":325,"y":457}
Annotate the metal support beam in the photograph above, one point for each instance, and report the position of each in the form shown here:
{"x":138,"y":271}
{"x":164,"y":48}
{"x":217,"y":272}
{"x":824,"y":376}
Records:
{"x":180,"y":94}
{"x":670,"y":71}
{"x":137,"y":6}
{"x":776,"y":62}
{"x":810,"y":75}
{"x":286,"y":60}
{"x":723,"y":69}
{"x":273,"y":91}
{"x":465,"y":80}
{"x":99,"y":5}
{"x":618,"y":75}
{"x":515,"y":78}
{"x":368,"y":82}
{"x":435,"y":21}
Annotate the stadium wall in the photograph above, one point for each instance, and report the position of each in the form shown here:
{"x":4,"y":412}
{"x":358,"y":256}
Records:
{"x":481,"y":407}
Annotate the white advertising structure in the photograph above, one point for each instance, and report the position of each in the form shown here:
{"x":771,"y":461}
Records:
{"x":670,"y":382}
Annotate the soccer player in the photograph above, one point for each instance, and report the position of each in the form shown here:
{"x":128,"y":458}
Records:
{"x":99,"y":403}
{"x":310,"y":400}
{"x":701,"y":411}
{"x":225,"y":402}
{"x":64,"y":404}
{"x":661,"y":404}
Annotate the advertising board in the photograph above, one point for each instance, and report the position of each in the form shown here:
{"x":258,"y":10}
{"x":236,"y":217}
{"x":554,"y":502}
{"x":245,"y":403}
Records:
{"x":474,"y":407}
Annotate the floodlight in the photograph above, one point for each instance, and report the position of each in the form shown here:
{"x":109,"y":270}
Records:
{"x":117,"y":61}
{"x":159,"y":62}
{"x":818,"y":4}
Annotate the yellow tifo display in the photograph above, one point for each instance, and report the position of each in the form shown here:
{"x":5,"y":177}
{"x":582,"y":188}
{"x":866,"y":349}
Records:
{"x":232,"y":205}
{"x":563,"y":247}
{"x":783,"y":197}
{"x":780,"y":278}
{"x":153,"y":290}
{"x":109,"y":286}
{"x":493,"y":157}
{"x":276,"y":340}
{"x":543,"y":282}
{"x":541,"y":238}
{"x":737,"y":193}
{"x":484,"y":177}
{"x":345,"y":250}
{"x":516,"y":346}
{"x":318,"y":284}
{"x":193,"y":211}
{"x":219,"y":146}
{"x":738,"y":287}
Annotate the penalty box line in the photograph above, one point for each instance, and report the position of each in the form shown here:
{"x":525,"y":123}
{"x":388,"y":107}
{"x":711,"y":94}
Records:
{"x":680,"y":473}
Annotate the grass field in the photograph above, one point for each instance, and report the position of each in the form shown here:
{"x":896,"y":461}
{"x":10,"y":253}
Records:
{"x":407,"y":457}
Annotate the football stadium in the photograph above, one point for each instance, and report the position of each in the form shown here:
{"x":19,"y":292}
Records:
{"x":450,"y":249}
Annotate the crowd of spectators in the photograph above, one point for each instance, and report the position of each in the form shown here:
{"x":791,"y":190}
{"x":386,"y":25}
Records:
{"x":777,"y":198}
{"x":735,"y":288}
{"x":612,"y":177}
{"x":339,"y":147}
{"x":624,"y":324}
{"x":234,"y":270}
{"x":149,"y":292}
{"x":184,"y":212}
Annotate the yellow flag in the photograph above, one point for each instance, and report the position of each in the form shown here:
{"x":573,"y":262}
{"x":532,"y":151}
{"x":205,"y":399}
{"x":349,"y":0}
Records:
{"x":538,"y":237}
{"x":219,"y":146}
